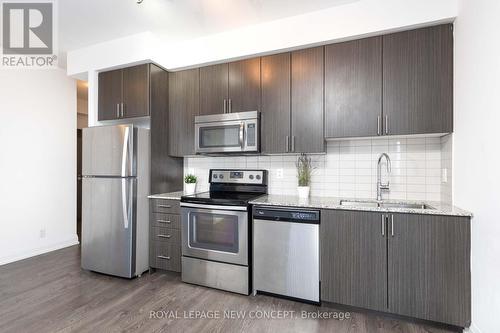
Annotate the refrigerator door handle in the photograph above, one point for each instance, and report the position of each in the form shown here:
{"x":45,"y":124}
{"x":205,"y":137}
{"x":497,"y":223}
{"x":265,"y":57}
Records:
{"x":125,"y":202}
{"x":125,"y":152}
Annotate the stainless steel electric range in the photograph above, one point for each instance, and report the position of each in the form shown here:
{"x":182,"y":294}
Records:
{"x":216,"y":230}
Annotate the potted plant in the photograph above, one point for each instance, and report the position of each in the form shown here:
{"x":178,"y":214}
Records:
{"x":190,"y":181}
{"x":304,"y":170}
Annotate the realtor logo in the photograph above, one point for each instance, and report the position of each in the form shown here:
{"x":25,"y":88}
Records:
{"x":28,"y":30}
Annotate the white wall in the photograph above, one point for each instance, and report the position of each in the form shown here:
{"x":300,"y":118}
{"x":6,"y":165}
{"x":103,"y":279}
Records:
{"x":348,"y":169}
{"x":37,"y":162}
{"x":476,"y":151}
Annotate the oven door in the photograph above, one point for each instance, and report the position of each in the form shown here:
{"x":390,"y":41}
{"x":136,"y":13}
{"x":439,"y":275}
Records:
{"x":218,"y":233}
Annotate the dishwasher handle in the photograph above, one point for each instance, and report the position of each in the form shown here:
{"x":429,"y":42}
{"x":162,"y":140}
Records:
{"x":286,"y":214}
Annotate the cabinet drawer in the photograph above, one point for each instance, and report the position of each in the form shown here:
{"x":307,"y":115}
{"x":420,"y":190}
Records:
{"x":166,"y":256}
{"x":166,"y":235}
{"x":166,"y":206}
{"x":166,"y":220}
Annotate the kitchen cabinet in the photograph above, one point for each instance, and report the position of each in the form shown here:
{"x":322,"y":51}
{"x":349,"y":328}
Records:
{"x":418,"y":81}
{"x":353,"y":259}
{"x":353,"y":88}
{"x":429,"y":267}
{"x":275,"y":113}
{"x":244,"y":85}
{"x":110,"y":95}
{"x":166,"y":171}
{"x":407,"y":264}
{"x":213,"y":89}
{"x":124,"y":93}
{"x":165,"y":235}
{"x":307,"y":123}
{"x":184,"y":105}
{"x":230,"y":87}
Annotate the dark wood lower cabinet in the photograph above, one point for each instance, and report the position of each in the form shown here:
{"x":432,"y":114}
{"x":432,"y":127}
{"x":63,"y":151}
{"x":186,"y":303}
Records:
{"x":165,"y":235}
{"x":429,"y":268}
{"x":419,"y":268}
{"x":353,"y":259}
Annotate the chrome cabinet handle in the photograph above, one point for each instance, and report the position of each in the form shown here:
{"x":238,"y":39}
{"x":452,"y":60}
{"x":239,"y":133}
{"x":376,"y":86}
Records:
{"x":386,"y":124}
{"x":230,"y":103}
{"x":225,"y":106}
{"x":378,"y":125}
{"x":293,"y":143}
{"x":383,"y":225}
{"x":164,"y":221}
{"x":164,"y":206}
{"x":392,"y":225}
{"x":117,"y":110}
{"x":163,"y":257}
{"x":122,"y":107}
{"x":287,"y":147}
{"x":164,"y":236}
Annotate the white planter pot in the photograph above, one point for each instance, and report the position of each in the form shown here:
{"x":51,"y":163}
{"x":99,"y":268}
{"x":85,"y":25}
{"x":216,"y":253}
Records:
{"x":303,"y":191}
{"x":190,"y":188}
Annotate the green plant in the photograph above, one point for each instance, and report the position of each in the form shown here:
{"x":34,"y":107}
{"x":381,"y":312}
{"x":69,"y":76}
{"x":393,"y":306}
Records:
{"x":304,"y":170}
{"x":190,"y":179}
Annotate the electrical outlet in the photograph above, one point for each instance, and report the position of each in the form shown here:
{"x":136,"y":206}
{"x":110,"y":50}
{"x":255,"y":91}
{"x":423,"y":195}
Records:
{"x":279,"y":173}
{"x":444,"y":175}
{"x":42,"y":233}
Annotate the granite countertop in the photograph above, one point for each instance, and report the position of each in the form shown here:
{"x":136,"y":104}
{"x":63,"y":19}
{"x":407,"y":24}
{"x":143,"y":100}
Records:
{"x":439,"y":208}
{"x":168,"y":196}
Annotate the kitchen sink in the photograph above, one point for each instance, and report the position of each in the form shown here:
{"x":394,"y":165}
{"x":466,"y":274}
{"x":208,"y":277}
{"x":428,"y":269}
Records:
{"x":374,"y":204}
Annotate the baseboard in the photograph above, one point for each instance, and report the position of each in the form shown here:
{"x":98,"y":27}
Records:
{"x":60,"y":244}
{"x":472,"y":329}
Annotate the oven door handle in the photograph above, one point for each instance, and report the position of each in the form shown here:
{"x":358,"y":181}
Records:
{"x":215,"y":207}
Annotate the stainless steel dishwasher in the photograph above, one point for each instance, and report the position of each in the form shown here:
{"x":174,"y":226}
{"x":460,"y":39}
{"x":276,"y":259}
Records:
{"x":286,"y":252}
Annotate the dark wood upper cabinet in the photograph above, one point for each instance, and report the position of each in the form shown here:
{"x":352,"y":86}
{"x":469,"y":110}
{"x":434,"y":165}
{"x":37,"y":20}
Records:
{"x":244,"y":85}
{"x":307,"y":101}
{"x":184,"y":105}
{"x":110,"y":95}
{"x":418,"y":81}
{"x":214,"y":89}
{"x":353,"y":88}
{"x":124,"y":93}
{"x":353,"y":259}
{"x":275,"y":112}
{"x":136,"y":91}
{"x":429,"y":268}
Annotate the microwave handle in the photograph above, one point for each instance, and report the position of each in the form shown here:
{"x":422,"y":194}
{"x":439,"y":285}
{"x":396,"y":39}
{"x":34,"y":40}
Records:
{"x":242,"y":133}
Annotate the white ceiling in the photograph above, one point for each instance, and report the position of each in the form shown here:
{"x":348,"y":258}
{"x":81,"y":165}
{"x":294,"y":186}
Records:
{"x":86,"y":22}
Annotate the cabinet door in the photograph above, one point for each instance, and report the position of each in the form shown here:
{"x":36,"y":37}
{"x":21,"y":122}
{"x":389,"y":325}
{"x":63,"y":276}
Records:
{"x":353,"y":259}
{"x":244,"y":85}
{"x":136,"y":91}
{"x":307,"y":101}
{"x":110,"y":95}
{"x":275,"y":114}
{"x":418,"y":81}
{"x":353,"y":88}
{"x":429,"y":268}
{"x":213,"y":89}
{"x":184,"y":103}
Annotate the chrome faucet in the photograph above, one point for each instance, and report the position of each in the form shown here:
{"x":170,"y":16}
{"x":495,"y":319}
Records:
{"x":380,"y":186}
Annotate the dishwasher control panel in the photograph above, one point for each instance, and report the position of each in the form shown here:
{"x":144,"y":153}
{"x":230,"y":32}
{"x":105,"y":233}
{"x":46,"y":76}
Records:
{"x":286,"y":214}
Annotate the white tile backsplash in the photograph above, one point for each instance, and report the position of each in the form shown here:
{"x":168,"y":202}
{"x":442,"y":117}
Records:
{"x":349,"y":168}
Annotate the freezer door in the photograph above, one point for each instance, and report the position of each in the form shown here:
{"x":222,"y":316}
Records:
{"x":108,"y":225}
{"x":108,"y":151}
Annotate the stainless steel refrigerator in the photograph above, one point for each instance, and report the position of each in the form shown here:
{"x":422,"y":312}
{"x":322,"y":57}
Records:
{"x":115,"y":171}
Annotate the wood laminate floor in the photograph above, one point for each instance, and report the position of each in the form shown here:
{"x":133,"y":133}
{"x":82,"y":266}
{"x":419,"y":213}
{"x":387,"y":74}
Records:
{"x":50,"y":293}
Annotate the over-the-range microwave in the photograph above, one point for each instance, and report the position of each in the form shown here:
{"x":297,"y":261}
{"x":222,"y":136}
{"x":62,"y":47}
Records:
{"x":228,"y":133}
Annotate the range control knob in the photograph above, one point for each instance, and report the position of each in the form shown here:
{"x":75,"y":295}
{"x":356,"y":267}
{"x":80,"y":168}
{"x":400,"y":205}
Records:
{"x":258,"y":177}
{"x":251,"y":177}
{"x":215,"y":176}
{"x":221,"y":176}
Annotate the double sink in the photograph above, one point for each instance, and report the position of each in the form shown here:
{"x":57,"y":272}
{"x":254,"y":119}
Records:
{"x":376,"y":204}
